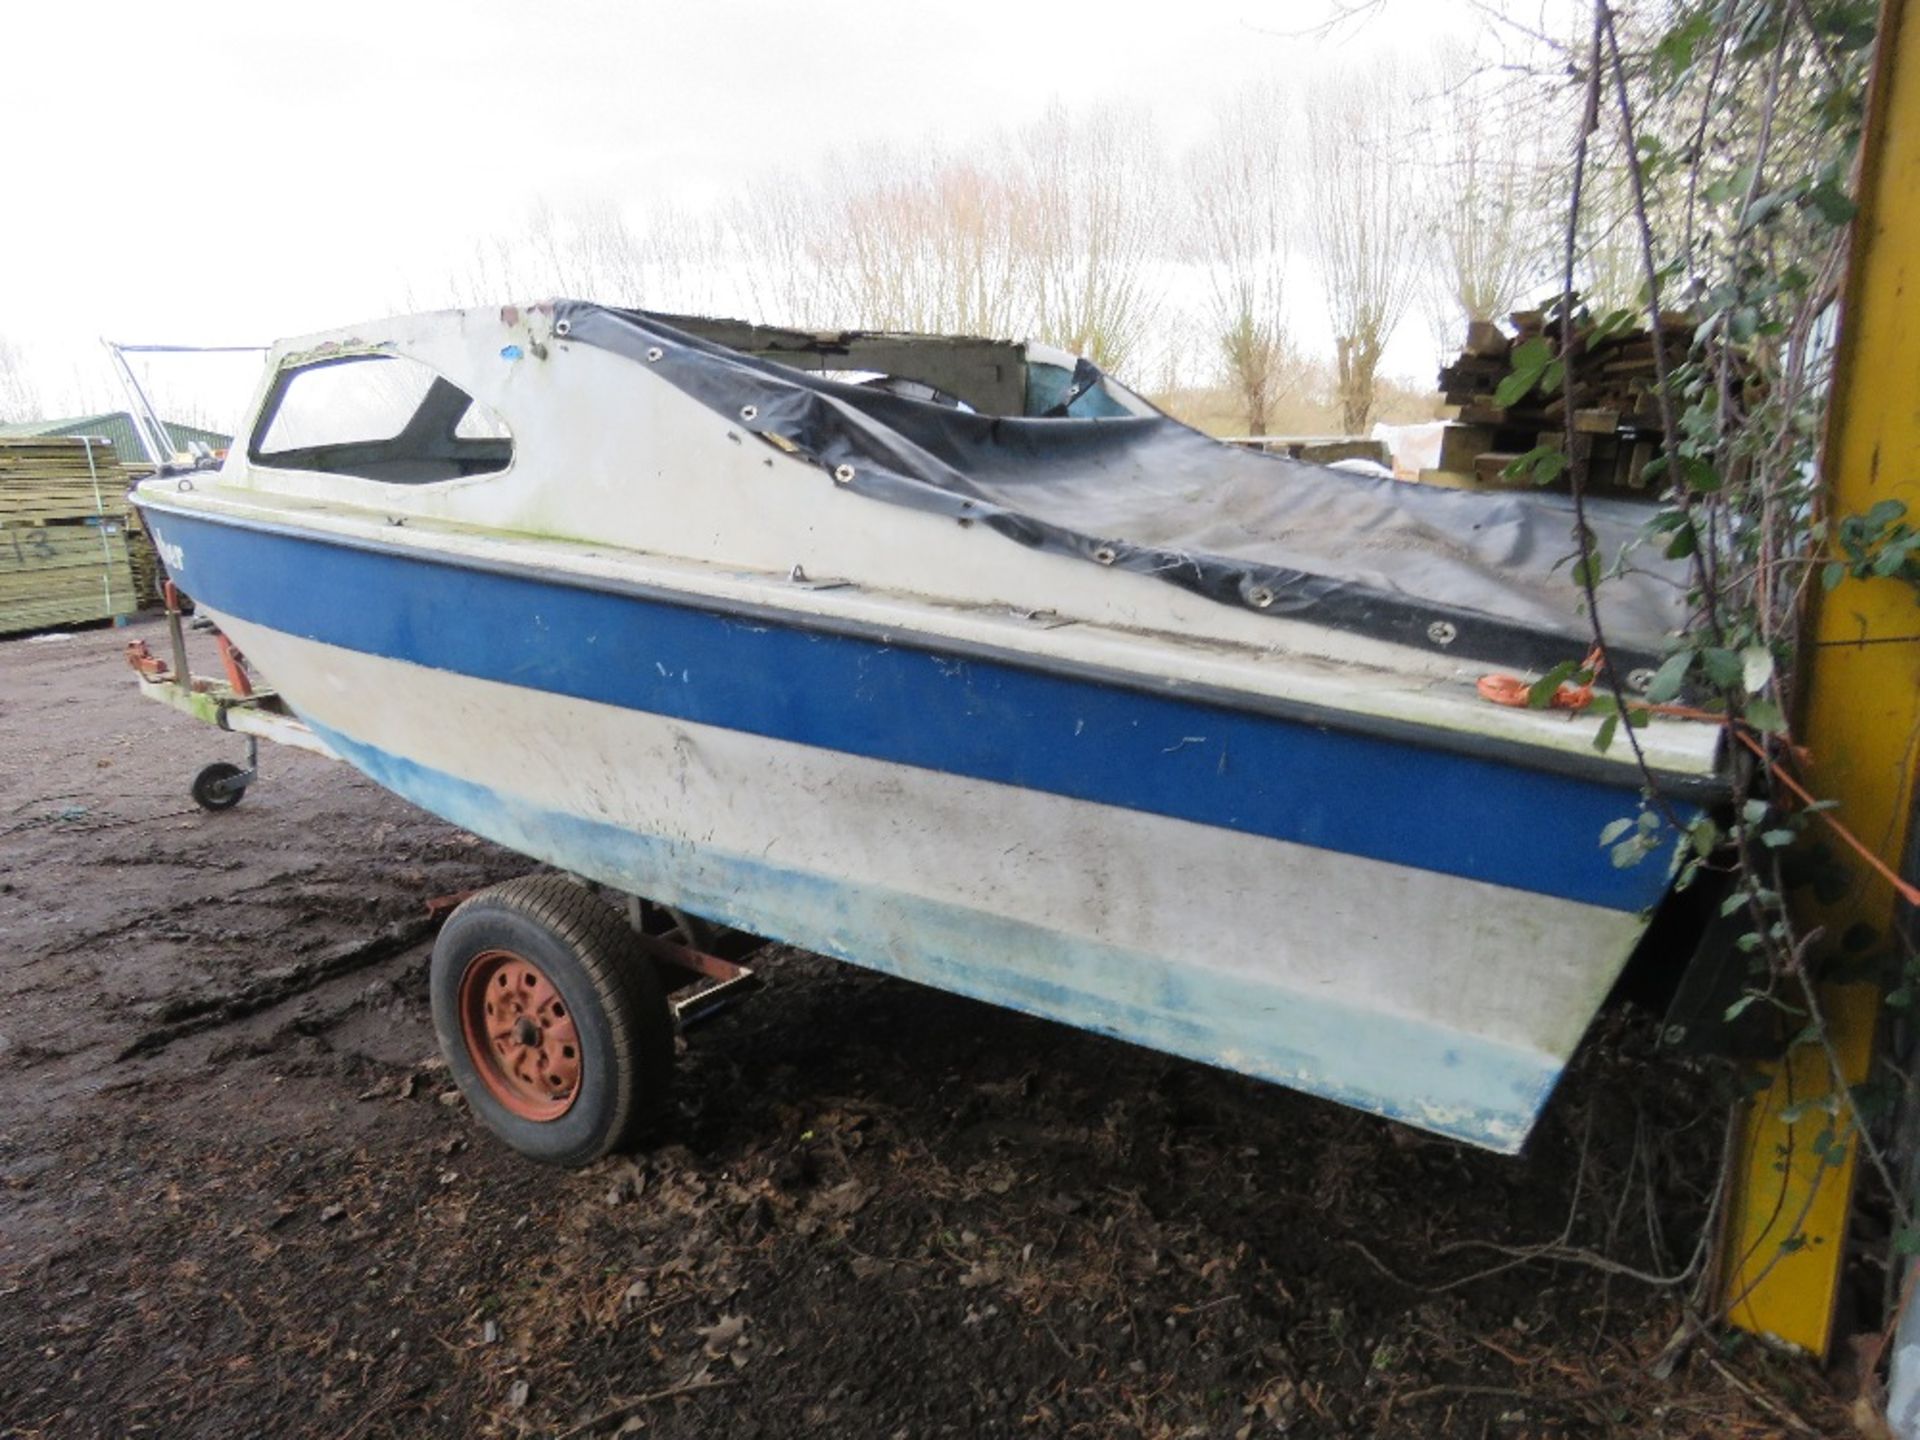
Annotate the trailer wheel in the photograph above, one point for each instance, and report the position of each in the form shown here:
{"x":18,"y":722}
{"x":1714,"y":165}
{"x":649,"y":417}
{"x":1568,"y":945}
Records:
{"x":551,"y":1019}
{"x":213,"y":788}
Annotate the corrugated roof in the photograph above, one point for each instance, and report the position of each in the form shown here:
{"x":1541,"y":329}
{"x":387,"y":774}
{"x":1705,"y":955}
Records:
{"x":115,"y":426}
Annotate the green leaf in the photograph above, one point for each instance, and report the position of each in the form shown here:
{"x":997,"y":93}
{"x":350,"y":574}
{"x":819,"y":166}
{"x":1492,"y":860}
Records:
{"x":1885,"y":513}
{"x":1529,"y":361}
{"x":1547,"y":468}
{"x":1676,"y":47}
{"x":1831,"y":577}
{"x":1698,"y":474}
{"x":1828,"y":1146}
{"x":1776,"y":839}
{"x":1765,"y":207}
{"x":1836,"y":207}
{"x":1765,"y":715}
{"x":1723,"y":667}
{"x":1615,"y":829}
{"x":1603,"y":737}
{"x":1668,"y":679}
{"x":1532,"y":354}
{"x":1704,"y":835}
{"x":1540,"y":694}
{"x":1513,"y":389}
{"x":1756,"y":668}
{"x":1739,"y":1007}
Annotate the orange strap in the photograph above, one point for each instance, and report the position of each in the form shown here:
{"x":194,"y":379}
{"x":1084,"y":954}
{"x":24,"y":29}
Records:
{"x":1908,"y":893}
{"x":1512,"y":690}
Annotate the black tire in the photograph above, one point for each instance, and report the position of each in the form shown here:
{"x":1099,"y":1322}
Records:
{"x":586,"y":952}
{"x":205,"y":793}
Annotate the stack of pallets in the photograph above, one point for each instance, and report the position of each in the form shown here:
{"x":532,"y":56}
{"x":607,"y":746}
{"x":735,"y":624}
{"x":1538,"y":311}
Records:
{"x":147,"y":575}
{"x":1616,"y":418}
{"x":63,"y":534}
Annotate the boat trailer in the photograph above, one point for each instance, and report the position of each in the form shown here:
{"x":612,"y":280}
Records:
{"x":697,"y":963}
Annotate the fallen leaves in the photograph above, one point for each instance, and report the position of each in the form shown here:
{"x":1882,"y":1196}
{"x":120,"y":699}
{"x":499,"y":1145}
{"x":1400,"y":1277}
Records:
{"x":726,"y":1339}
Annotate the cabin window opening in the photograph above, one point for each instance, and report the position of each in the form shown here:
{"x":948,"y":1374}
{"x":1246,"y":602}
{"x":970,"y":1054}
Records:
{"x":379,"y":417}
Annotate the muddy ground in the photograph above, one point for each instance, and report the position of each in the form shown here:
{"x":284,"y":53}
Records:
{"x":238,"y":1197}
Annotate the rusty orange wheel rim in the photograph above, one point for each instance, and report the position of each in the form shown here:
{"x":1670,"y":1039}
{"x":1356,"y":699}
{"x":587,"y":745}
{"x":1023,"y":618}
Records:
{"x":520,"y":1035}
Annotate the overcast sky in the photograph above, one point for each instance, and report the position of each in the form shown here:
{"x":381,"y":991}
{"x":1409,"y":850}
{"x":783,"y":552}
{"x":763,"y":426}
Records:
{"x":221,"y":173}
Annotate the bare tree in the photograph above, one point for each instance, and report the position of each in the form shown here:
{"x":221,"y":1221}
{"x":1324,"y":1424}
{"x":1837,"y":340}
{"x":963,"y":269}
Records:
{"x":1240,"y":237}
{"x":19,"y":396}
{"x":1486,"y":206}
{"x":921,"y":243}
{"x":1054,"y":231}
{"x":669,"y":259}
{"x":1091,"y":198}
{"x":771,"y":232}
{"x":1608,"y":269}
{"x":886,"y":239}
{"x":1362,"y":224}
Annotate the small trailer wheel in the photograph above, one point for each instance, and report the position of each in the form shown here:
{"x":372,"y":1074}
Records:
{"x":214,"y":787}
{"x":551,"y":1019}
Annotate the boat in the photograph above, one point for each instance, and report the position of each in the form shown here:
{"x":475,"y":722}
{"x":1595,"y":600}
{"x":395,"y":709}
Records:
{"x":957,"y":659}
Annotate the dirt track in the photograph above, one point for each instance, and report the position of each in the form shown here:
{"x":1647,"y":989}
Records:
{"x":237,"y":1197}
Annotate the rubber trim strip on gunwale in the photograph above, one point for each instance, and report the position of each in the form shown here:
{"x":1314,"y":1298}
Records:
{"x":1701,"y":789}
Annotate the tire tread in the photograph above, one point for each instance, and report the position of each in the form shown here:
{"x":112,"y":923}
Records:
{"x":641,"y":1023}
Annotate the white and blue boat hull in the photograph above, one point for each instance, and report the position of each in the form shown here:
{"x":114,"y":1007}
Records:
{"x":1387,"y":919}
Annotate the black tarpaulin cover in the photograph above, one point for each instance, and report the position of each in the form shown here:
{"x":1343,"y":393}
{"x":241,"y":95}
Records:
{"x":1480,"y":575}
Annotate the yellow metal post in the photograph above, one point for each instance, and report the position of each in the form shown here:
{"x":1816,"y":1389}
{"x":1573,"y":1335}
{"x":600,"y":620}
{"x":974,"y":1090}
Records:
{"x":1860,"y":720}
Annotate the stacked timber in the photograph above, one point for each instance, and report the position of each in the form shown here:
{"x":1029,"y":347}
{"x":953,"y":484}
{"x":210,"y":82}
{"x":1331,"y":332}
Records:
{"x":147,"y":574}
{"x":63,"y":534}
{"x":1616,"y":414}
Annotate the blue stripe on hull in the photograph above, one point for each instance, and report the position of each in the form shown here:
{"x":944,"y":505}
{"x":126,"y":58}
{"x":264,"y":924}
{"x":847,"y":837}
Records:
{"x":1441,"y":1080}
{"x":1356,"y":794}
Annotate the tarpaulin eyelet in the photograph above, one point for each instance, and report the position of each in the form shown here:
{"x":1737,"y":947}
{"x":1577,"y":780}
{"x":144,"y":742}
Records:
{"x":655,"y":352}
{"x":1106,"y":555}
{"x":749,"y":413}
{"x":1260,"y":598}
{"x":563,"y":327}
{"x":1442,"y":632}
{"x":843,"y":473}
